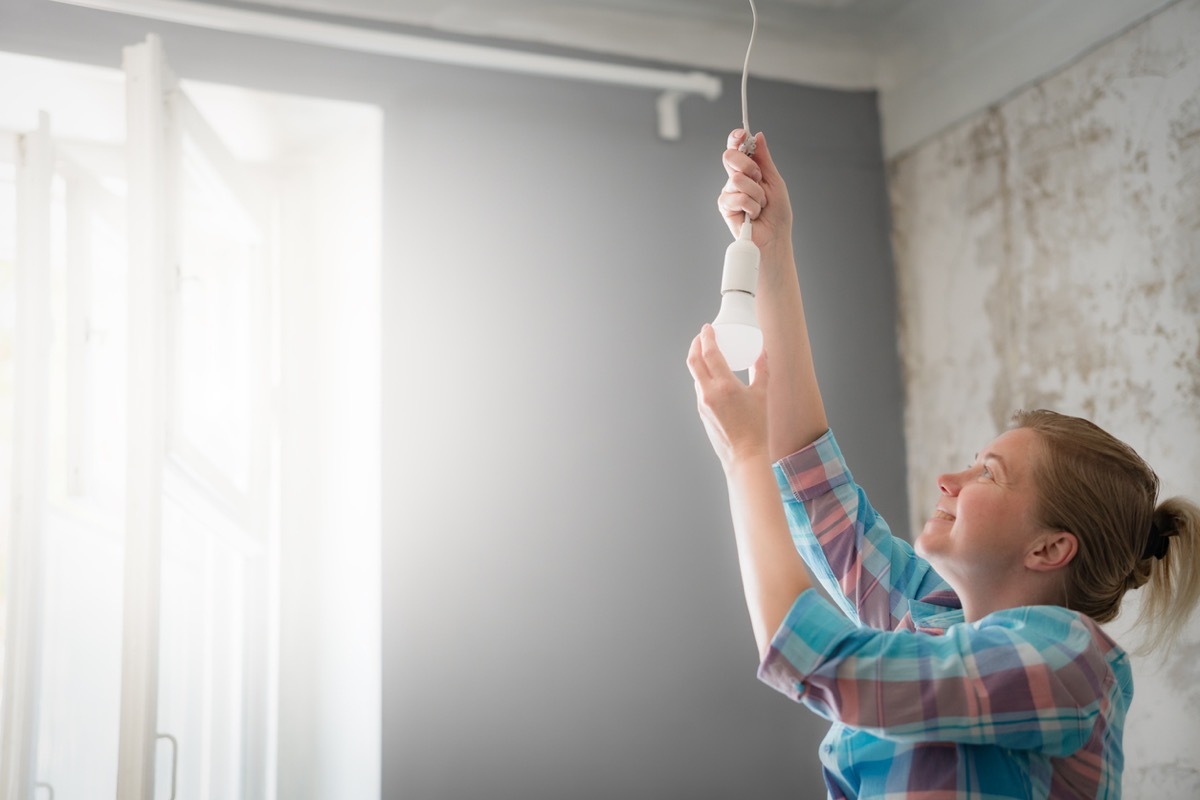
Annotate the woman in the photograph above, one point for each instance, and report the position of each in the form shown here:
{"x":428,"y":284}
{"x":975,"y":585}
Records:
{"x":973,"y":666}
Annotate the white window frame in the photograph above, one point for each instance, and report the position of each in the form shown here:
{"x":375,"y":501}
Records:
{"x":23,"y":648}
{"x":150,"y":246}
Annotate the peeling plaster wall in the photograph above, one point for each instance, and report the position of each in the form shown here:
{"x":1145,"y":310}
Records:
{"x":1048,"y":255}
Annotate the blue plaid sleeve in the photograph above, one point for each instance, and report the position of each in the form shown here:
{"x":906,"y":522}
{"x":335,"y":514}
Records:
{"x":1031,"y":678}
{"x":871,"y":574}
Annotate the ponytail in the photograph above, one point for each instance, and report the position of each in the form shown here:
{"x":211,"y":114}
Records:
{"x":1169,"y":572}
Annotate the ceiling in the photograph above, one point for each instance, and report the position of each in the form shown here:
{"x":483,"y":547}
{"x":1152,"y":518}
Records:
{"x":831,"y":42}
{"x":932,"y":61}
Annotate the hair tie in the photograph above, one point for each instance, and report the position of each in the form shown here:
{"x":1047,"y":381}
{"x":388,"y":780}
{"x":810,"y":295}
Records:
{"x":1156,"y":545}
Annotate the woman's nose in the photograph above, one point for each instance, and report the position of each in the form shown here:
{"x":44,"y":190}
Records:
{"x":950,"y":483}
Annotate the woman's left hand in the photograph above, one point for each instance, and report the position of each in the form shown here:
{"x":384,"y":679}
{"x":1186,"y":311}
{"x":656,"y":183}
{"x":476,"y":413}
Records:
{"x":734,"y":414}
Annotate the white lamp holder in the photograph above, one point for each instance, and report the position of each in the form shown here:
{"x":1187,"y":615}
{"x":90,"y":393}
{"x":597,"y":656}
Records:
{"x":736,"y":327}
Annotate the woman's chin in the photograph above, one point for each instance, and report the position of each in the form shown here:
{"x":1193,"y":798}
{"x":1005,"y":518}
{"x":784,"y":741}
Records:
{"x":926,"y":545}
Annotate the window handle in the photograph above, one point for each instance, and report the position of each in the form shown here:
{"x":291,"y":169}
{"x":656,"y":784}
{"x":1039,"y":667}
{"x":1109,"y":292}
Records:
{"x":49,"y":789}
{"x":174,"y":759}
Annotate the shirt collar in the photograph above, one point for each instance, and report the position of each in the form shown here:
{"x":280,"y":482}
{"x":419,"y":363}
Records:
{"x":935,"y":612}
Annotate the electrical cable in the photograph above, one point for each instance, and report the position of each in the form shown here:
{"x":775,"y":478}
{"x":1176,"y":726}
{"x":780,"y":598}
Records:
{"x":748,"y":144}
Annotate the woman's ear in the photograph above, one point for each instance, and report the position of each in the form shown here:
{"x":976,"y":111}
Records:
{"x":1051,"y":551}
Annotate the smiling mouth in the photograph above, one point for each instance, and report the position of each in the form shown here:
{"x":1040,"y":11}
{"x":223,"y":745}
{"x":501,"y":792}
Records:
{"x":939,"y":514}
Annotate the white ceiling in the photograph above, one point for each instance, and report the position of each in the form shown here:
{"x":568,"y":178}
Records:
{"x":826,"y":41}
{"x":932,"y":61}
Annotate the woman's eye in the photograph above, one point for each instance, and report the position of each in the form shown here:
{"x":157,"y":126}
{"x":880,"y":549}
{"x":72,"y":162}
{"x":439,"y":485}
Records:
{"x":984,"y":472}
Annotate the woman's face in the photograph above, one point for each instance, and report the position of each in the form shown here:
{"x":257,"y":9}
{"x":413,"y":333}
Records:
{"x":985,"y":525}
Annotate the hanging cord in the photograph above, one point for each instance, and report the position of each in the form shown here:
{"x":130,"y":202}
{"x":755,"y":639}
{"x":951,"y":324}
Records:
{"x":748,"y":145}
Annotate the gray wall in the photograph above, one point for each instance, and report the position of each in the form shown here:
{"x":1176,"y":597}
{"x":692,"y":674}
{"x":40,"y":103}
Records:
{"x":563,"y":616}
{"x":564,"y":613}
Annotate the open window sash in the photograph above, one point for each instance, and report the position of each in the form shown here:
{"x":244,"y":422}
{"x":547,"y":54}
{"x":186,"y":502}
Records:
{"x":193,"y":680}
{"x":218,"y":324}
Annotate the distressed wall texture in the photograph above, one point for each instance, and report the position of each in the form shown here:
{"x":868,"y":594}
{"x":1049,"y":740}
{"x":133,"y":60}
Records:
{"x":1048,"y":255}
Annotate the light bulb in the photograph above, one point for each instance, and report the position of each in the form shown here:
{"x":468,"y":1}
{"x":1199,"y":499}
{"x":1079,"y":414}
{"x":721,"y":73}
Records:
{"x":736,"y":327}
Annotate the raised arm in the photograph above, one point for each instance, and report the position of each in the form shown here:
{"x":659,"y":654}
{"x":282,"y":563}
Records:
{"x":735,"y":418}
{"x":796,"y":415}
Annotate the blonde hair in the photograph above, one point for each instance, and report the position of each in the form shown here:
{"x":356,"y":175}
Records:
{"x":1097,"y":487}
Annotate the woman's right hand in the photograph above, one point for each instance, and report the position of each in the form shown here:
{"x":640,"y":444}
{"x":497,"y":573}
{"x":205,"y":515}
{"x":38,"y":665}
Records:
{"x":734,"y":414}
{"x":756,"y":189}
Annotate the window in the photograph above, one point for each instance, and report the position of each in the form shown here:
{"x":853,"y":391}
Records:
{"x":145,"y":310}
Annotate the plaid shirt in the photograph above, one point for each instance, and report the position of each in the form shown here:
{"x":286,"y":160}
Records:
{"x":1025,"y":703}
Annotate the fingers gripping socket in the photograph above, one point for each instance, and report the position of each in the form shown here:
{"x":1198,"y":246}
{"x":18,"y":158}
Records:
{"x":747,"y":145}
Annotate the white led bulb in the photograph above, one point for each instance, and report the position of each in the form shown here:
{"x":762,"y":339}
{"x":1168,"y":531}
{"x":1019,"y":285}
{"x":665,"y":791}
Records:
{"x":738,"y":336}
